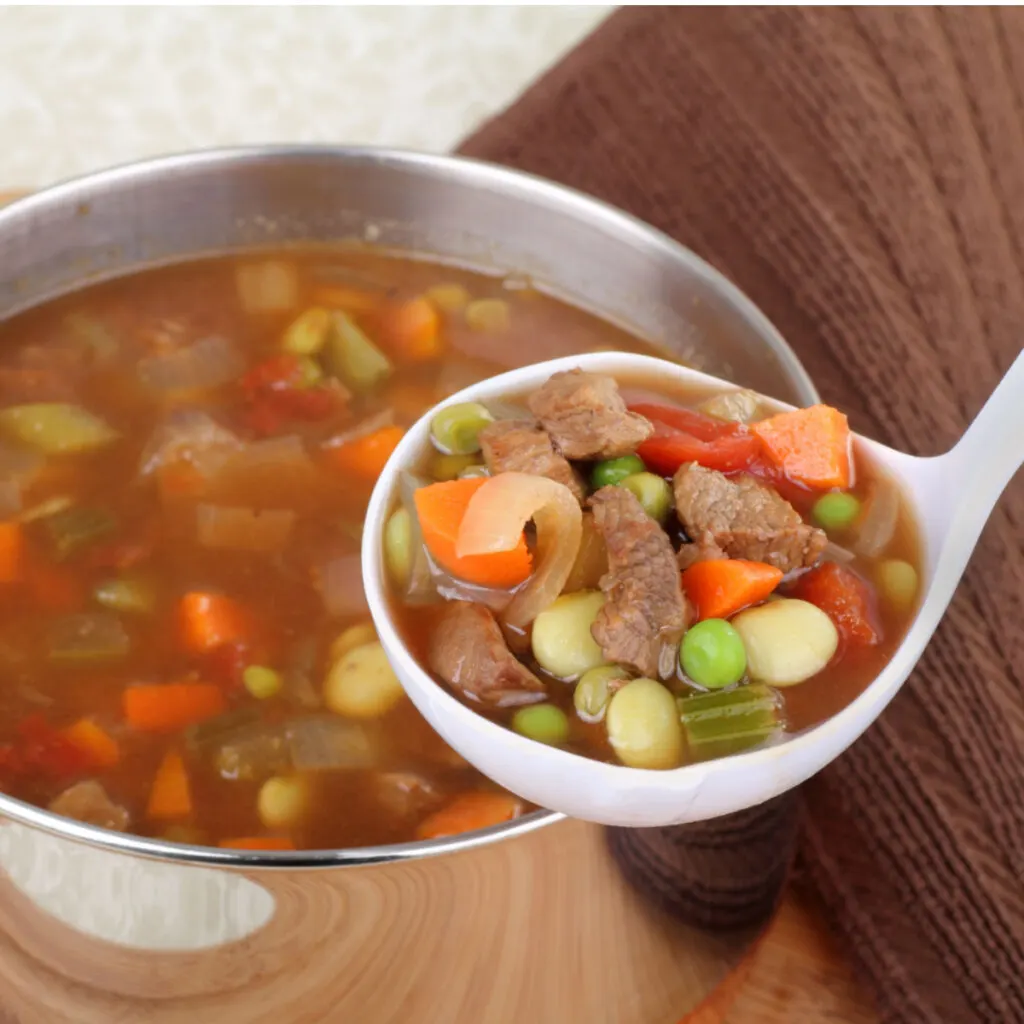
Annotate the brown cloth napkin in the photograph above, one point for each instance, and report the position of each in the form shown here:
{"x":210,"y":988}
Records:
{"x":860,"y":174}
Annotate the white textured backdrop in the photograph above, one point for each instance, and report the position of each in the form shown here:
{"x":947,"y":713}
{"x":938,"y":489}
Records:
{"x":83,"y":88}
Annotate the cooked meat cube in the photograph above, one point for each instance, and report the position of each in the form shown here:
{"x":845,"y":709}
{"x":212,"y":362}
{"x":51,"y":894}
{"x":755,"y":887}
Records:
{"x":406,"y":795}
{"x":645,"y":613}
{"x":586,"y":416}
{"x":520,"y":446}
{"x":88,"y":802}
{"x":469,"y":653}
{"x":744,"y":518}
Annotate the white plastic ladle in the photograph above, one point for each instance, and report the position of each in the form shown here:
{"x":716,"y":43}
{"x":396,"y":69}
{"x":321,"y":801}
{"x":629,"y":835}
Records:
{"x":952,"y":496}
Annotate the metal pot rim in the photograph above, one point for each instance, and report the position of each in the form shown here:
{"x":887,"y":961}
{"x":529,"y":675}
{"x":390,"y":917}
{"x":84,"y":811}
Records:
{"x":472,"y":173}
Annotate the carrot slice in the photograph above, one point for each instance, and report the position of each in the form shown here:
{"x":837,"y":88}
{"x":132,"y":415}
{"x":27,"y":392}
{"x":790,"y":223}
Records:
{"x":721,"y":587}
{"x":12,"y":545}
{"x":469,"y":812}
{"x":811,"y":446}
{"x":440,"y":509}
{"x":95,"y":742}
{"x":170,"y":796}
{"x":364,"y":457}
{"x":258,"y":843}
{"x":210,"y":620}
{"x":166,"y":707}
{"x":412,"y":330}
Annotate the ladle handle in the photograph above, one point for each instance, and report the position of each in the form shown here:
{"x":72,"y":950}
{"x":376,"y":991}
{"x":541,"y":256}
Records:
{"x":992,"y":449}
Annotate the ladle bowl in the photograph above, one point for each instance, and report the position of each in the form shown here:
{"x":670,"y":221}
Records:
{"x":951,"y":497}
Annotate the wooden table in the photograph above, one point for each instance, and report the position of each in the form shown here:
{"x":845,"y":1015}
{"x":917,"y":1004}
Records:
{"x":797,"y":973}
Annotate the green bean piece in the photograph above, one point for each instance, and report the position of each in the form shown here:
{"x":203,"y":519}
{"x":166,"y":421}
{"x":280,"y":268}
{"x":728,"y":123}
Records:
{"x":70,"y":530}
{"x":449,"y":467}
{"x":729,"y":722}
{"x":614,"y":471}
{"x":652,"y":492}
{"x":86,"y":638}
{"x":590,"y":698}
{"x":129,"y":594}
{"x":836,"y":511}
{"x":544,"y":723}
{"x":712,"y":654}
{"x":262,"y":682}
{"x":307,"y":333}
{"x":350,"y":355}
{"x":398,"y":546}
{"x":56,"y":428}
{"x":455,"y":430}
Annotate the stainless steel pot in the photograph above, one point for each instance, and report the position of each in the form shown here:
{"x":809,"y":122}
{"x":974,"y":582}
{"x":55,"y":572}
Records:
{"x":101,"y":926}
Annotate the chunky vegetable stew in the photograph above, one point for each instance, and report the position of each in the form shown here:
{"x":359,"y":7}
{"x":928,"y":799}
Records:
{"x":186,"y":456}
{"x":650,"y":579}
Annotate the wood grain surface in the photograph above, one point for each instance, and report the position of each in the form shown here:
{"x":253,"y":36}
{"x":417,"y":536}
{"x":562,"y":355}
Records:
{"x":623,"y":962}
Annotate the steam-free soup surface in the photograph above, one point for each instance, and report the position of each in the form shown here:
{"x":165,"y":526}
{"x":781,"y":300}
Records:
{"x":186,"y":457}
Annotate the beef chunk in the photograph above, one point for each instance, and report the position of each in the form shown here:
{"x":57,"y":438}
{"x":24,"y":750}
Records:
{"x":743,"y":518}
{"x":586,"y":416}
{"x":645,"y":613}
{"x":469,"y":653}
{"x":520,"y":446}
{"x":88,"y":802}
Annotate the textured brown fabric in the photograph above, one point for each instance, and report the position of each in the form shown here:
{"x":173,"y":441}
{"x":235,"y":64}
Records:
{"x":860,"y":173}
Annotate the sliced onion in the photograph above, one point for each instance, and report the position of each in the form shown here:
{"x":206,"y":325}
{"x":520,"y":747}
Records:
{"x":494,"y":521}
{"x":208,"y":363}
{"x":341,"y":586}
{"x":10,"y":498}
{"x":189,"y":434}
{"x":244,"y":529}
{"x":277,"y":471}
{"x":878,"y":523}
{"x":740,"y":406}
{"x":384,"y":418}
{"x":837,"y":553}
{"x":421,"y":587}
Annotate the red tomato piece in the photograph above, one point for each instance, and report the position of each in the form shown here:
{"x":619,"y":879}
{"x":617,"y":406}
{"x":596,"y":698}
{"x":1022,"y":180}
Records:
{"x":845,"y":598}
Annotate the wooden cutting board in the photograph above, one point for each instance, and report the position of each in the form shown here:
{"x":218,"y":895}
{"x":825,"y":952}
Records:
{"x":796,"y":973}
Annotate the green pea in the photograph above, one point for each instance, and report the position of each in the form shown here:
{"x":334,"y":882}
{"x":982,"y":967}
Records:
{"x":544,"y":723}
{"x":455,"y":429}
{"x":897,"y":581}
{"x":836,"y":511}
{"x":261,"y":682}
{"x":652,"y":492}
{"x":614,"y":471}
{"x":712,"y":654}
{"x":590,"y":698}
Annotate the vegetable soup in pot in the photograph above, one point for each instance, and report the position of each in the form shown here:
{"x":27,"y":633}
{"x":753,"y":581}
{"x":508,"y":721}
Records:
{"x":186,"y":456}
{"x":649,"y":578}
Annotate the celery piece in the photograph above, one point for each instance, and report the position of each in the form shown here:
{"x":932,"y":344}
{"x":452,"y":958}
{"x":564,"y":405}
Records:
{"x":87,"y":638}
{"x":351,"y":355}
{"x":730,"y":721}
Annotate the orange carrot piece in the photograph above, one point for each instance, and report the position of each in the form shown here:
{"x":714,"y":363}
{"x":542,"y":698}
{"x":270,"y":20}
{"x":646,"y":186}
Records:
{"x":811,"y":446}
{"x":179,"y":480}
{"x":440,"y":509}
{"x":170,"y":796}
{"x":722,"y":587}
{"x":95,"y":742}
{"x":412,"y":330}
{"x":469,"y":812}
{"x":364,"y":457}
{"x":258,"y":843}
{"x":350,"y":300}
{"x":12,"y":549}
{"x":209,"y":621}
{"x":166,"y":707}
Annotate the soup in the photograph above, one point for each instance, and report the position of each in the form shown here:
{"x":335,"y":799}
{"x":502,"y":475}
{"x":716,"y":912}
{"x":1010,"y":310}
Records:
{"x":186,"y":456}
{"x":646,"y":578}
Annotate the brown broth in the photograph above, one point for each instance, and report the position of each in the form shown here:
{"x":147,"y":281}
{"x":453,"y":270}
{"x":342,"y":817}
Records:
{"x":141,"y":313}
